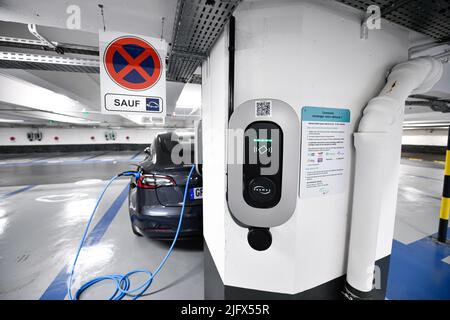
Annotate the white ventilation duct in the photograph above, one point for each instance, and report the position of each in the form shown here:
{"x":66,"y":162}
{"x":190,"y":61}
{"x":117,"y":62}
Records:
{"x":378,"y":147}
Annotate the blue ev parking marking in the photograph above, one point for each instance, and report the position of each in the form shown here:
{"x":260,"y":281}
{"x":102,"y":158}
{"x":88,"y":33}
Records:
{"x":419,"y":271}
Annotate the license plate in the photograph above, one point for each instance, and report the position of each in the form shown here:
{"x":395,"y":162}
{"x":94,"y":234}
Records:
{"x":196,"y":193}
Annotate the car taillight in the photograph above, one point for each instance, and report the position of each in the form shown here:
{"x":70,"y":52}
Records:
{"x":154,"y":181}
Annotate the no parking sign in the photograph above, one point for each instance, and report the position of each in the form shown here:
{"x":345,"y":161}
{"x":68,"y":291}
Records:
{"x":132,"y":74}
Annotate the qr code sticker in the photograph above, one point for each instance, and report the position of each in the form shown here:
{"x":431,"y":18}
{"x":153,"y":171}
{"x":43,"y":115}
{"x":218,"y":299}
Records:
{"x":263,"y":108}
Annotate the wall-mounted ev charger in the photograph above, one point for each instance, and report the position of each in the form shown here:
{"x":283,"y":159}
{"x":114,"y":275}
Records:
{"x":263,"y":167}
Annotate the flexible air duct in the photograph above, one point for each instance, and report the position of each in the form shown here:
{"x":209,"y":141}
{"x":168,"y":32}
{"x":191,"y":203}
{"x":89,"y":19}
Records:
{"x":378,"y":145}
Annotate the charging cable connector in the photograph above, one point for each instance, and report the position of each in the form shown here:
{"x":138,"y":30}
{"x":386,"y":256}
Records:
{"x":135,"y":174}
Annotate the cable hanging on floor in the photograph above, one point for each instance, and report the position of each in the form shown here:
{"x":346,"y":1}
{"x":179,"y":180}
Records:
{"x":123,"y":282}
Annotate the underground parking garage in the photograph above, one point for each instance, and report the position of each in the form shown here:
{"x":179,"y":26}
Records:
{"x":224,"y":150}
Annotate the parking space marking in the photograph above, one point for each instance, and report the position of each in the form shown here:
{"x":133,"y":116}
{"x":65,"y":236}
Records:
{"x":446,"y":260}
{"x":135,"y":155}
{"x":12,"y":193}
{"x":95,"y":156}
{"x":42,"y":162}
{"x":41,"y":159}
{"x":57,"y":290}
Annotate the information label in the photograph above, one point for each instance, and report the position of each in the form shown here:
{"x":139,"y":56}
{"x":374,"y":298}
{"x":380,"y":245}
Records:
{"x":325,"y":147}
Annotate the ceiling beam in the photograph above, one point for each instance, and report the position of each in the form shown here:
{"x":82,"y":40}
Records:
{"x":18,"y":60}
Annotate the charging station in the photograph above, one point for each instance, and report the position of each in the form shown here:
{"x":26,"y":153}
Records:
{"x":262,"y":167}
{"x":287,"y":234}
{"x":225,"y":149}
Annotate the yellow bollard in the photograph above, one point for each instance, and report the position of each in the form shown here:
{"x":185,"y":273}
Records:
{"x":445,"y":202}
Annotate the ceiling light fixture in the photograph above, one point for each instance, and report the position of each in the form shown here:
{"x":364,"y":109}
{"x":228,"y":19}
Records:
{"x":11,"y":120}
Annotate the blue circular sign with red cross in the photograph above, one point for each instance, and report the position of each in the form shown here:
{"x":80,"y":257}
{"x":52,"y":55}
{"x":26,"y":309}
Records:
{"x":132,"y":63}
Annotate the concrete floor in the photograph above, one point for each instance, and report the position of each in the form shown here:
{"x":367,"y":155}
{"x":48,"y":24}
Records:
{"x":45,"y":201}
{"x":419,"y":199}
{"x":419,"y":267}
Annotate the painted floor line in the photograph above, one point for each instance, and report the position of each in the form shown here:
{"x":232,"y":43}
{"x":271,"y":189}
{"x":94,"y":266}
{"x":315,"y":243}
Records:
{"x":417,"y":271}
{"x":94,"y":156}
{"x":135,"y":155}
{"x":424,"y":177}
{"x":55,"y":160}
{"x":57,"y":290}
{"x":41,"y":159}
{"x":12,"y":193}
{"x":63,"y":162}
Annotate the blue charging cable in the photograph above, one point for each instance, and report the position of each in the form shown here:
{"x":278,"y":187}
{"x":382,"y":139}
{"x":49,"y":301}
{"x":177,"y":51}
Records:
{"x":123,"y":282}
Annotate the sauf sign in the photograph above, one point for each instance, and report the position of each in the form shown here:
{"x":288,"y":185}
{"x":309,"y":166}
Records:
{"x":132,"y":74}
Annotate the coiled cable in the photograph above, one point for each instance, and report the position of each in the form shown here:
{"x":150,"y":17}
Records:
{"x":123,"y":282}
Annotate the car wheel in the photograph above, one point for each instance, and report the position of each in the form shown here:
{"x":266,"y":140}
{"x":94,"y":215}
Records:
{"x":136,"y":230}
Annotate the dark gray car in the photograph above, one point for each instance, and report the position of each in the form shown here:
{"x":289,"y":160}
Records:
{"x":155,"y":199}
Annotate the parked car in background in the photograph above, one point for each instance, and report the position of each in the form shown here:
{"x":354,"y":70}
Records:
{"x":155,"y":199}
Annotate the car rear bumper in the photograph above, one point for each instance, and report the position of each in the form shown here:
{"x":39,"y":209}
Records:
{"x":162,"y":222}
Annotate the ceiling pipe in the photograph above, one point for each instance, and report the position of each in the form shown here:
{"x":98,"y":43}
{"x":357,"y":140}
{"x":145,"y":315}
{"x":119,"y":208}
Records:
{"x":418,"y":49}
{"x":442,"y":55}
{"x":378,"y":147}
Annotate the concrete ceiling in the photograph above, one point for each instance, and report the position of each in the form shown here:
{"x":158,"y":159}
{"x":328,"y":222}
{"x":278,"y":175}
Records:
{"x":51,"y":18}
{"x":138,"y":17}
{"x":135,"y":17}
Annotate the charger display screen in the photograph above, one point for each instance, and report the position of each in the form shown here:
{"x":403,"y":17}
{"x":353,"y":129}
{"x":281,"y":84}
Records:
{"x":262,"y":169}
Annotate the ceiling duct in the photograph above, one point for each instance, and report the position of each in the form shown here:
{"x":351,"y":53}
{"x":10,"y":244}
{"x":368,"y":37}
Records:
{"x":30,"y":44}
{"x":428,"y":17}
{"x":196,"y":78}
{"x":198,"y":23}
{"x":54,"y":59}
{"x":434,"y":103}
{"x":16,"y":60}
